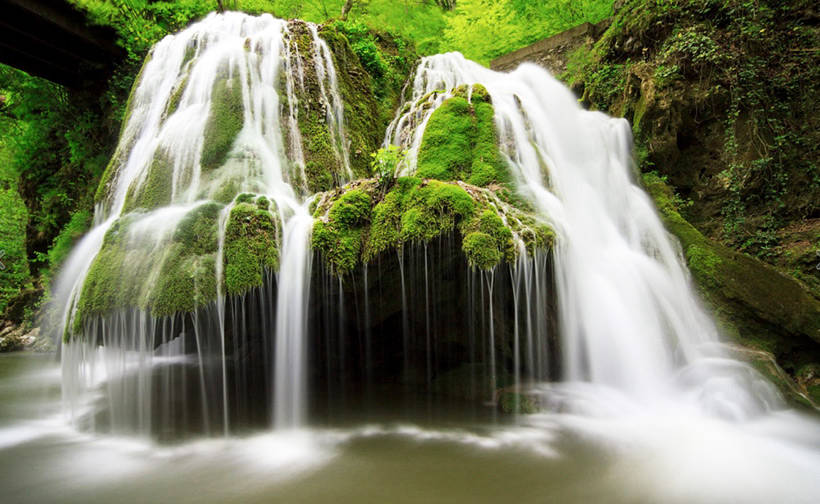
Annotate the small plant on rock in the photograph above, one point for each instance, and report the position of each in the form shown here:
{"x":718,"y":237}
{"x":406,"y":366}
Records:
{"x":387,"y":162}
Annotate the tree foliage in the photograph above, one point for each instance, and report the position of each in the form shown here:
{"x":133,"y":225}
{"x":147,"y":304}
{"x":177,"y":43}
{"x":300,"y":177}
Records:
{"x":485,"y":29}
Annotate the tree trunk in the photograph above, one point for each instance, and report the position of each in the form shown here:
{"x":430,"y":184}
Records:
{"x":219,"y":6}
{"x":346,"y":9}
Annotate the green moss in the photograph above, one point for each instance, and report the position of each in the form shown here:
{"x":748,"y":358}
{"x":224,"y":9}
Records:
{"x":386,"y":222}
{"x":481,"y":250}
{"x":263,"y":203}
{"x":460,"y":141}
{"x":348,"y":231}
{"x":322,"y":152}
{"x":185,"y":281}
{"x":116,"y":276}
{"x":251,"y":246}
{"x":446,"y":148}
{"x":176,"y":97}
{"x":340,"y":248}
{"x":155,"y":190}
{"x":480,"y":94}
{"x":224,"y":123}
{"x":197,"y":231}
{"x":130,"y":271}
{"x":351,"y":209}
{"x":319,"y":178}
{"x":64,"y":242}
{"x":245,"y":198}
{"x":515,"y":403}
{"x":371,"y":96}
{"x":226,"y":191}
{"x":339,"y":239}
{"x":107,"y":175}
{"x":492,"y":225}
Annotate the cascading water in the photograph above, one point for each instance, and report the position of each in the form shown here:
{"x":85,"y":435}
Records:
{"x":654,"y":409}
{"x":229,"y":66}
{"x":629,"y":318}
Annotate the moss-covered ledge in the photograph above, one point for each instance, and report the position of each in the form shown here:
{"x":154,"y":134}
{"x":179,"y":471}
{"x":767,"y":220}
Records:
{"x":176,"y":272}
{"x":356,"y":223}
{"x":252,"y":237}
{"x":755,"y":304}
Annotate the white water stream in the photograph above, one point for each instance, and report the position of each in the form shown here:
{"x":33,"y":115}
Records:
{"x":253,"y":53}
{"x":629,"y":318}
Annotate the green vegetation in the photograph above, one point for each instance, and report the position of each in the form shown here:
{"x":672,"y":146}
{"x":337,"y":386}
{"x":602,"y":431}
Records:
{"x":251,"y":246}
{"x":349,"y":230}
{"x":13,"y":218}
{"x":224,"y":123}
{"x":460,"y":142}
{"x":52,"y":152}
{"x":340,"y":238}
{"x":721,"y":85}
{"x":63,"y":243}
{"x":155,"y":190}
{"x":387,"y":162}
{"x":485,"y":29}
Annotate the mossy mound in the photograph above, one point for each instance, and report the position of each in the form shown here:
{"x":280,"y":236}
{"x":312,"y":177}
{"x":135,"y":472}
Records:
{"x":251,"y":245}
{"x":356,"y":223}
{"x":174,"y":273}
{"x":460,"y":141}
{"x":174,"y":270}
{"x":225,"y":121}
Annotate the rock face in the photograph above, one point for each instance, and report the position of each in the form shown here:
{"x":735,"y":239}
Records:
{"x":14,"y":338}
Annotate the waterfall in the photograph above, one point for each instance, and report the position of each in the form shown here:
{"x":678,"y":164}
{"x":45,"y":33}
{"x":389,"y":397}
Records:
{"x":212,"y":138}
{"x":291,"y":321}
{"x":629,"y":318}
{"x":214,"y":114}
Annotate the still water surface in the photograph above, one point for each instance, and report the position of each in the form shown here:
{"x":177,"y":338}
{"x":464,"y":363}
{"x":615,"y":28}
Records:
{"x":398,"y":454}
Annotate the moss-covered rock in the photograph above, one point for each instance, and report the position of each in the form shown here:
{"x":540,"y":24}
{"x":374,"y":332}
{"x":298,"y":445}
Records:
{"x":365,"y":116}
{"x":515,"y":402}
{"x":481,"y":250}
{"x":251,"y":246}
{"x":175,"y":270}
{"x":224,"y":122}
{"x":176,"y":274}
{"x":350,"y":230}
{"x":155,"y":190}
{"x":460,"y":141}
